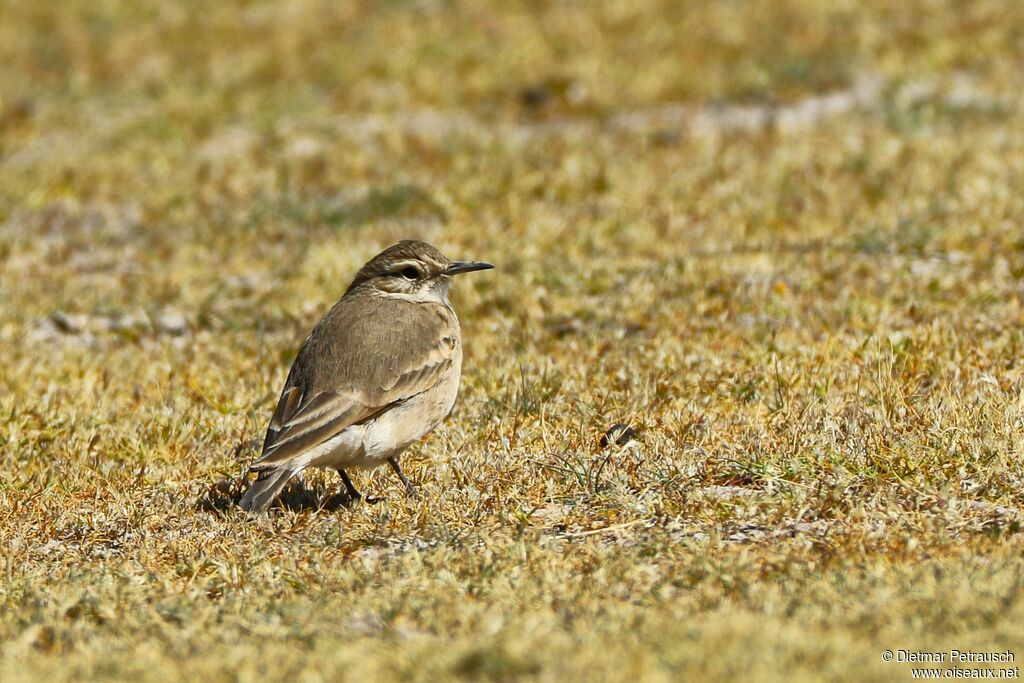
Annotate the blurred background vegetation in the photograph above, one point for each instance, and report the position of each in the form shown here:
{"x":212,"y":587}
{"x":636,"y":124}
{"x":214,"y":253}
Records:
{"x":781,"y":238}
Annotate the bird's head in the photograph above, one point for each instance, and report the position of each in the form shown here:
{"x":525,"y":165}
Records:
{"x":412,"y":270}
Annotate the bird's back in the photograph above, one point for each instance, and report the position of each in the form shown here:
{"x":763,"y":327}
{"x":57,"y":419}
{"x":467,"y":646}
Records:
{"x":375,"y":349}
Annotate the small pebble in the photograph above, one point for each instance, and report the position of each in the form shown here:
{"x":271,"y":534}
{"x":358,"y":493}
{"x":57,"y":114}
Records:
{"x":618,"y":434}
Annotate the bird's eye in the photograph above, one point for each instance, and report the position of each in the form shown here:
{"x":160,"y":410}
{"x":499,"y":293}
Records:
{"x":410,"y":272}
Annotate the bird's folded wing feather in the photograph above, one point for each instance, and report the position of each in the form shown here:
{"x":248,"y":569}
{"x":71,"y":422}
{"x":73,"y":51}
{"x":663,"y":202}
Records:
{"x":302,"y":421}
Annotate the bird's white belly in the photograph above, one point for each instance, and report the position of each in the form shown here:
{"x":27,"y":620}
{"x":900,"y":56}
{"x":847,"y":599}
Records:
{"x":371,"y":443}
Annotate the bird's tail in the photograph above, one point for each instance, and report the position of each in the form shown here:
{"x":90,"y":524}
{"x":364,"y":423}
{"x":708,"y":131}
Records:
{"x":266,"y":488}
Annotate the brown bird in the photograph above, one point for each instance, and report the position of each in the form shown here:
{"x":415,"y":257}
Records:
{"x":380,"y":371}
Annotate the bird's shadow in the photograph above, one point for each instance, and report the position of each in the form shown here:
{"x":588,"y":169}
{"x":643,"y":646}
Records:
{"x":223,"y":495}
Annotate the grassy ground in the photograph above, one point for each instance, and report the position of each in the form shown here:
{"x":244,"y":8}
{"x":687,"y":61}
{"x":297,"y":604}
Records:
{"x":780,"y":238}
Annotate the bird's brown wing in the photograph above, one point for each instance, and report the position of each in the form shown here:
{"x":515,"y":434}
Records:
{"x":347,"y":374}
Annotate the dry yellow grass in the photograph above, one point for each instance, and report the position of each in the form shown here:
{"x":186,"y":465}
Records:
{"x":780,"y":238}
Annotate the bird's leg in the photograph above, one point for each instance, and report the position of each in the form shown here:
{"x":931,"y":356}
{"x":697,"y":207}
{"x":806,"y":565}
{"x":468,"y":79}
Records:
{"x":409,"y":488}
{"x":353,"y":493}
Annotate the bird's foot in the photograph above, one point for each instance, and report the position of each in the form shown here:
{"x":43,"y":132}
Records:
{"x":410,"y":490}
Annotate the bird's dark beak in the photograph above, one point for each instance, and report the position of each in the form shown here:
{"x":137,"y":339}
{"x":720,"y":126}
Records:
{"x":466,"y":267}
